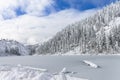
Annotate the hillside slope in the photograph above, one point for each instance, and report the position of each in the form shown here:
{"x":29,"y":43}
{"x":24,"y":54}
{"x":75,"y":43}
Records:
{"x":10,"y":47}
{"x":97,"y":34}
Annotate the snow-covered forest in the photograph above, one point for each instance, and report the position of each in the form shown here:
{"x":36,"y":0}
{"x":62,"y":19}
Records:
{"x":11,"y":47}
{"x":97,"y":34}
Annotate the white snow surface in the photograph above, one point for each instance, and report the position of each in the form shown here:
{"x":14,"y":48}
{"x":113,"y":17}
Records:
{"x":28,"y":73}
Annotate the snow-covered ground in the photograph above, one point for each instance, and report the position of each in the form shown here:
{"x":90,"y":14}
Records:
{"x":60,"y":67}
{"x":28,"y":73}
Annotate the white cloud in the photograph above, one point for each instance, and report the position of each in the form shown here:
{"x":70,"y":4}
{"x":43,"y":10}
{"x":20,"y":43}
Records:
{"x":33,"y":29}
{"x":35,"y":7}
{"x":31,"y":7}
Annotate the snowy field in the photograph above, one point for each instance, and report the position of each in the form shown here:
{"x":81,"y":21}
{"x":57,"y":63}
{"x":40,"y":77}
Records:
{"x":60,"y":68}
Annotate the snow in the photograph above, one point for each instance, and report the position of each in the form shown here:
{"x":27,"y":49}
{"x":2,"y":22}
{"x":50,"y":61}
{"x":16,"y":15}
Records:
{"x":65,"y":77}
{"x":74,"y":65}
{"x":91,"y":64}
{"x":28,"y":73}
{"x":6,"y":47}
{"x":115,"y":21}
{"x":28,"y":67}
{"x":64,"y":70}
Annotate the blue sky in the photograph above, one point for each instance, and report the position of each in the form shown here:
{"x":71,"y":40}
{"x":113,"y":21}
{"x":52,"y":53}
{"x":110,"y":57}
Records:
{"x":80,"y":5}
{"x":36,"y":21}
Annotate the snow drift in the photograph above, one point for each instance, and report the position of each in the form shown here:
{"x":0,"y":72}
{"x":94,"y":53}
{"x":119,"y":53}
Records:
{"x":28,"y":73}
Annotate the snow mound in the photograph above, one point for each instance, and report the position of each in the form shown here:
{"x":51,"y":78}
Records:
{"x":28,"y":73}
{"x":91,"y":64}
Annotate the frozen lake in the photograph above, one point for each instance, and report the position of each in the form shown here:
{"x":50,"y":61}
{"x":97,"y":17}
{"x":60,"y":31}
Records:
{"x":110,"y":65}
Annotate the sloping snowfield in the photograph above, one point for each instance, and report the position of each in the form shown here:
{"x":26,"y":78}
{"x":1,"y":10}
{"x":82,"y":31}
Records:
{"x":60,"y":67}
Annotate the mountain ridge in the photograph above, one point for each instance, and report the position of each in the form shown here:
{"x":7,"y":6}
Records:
{"x":96,"y":34}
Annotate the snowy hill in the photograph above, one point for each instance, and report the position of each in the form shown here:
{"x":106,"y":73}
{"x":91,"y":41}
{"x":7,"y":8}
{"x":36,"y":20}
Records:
{"x":97,"y":34}
{"x":10,"y":47}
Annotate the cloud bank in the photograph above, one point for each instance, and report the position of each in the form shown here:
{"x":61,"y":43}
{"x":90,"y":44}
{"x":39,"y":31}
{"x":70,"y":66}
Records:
{"x":25,"y":20}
